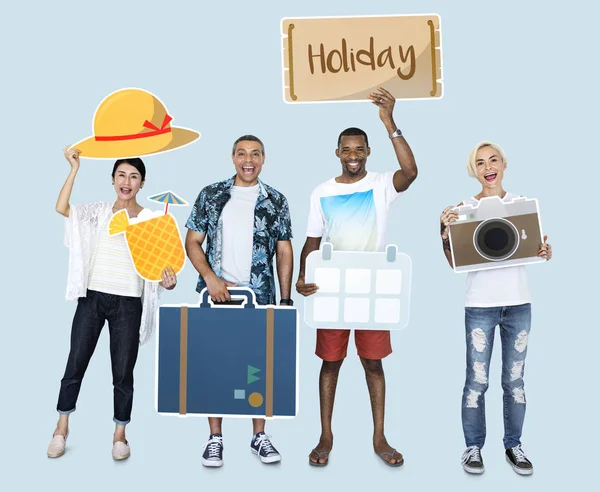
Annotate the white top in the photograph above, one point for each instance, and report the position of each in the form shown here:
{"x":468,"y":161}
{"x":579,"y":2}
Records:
{"x":82,"y":229}
{"x":238,"y":233}
{"x":352,"y":216}
{"x":111,"y":266}
{"x":497,"y":287}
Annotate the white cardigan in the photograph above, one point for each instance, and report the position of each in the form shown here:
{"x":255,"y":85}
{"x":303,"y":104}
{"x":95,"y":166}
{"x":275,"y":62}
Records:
{"x":81,"y":234}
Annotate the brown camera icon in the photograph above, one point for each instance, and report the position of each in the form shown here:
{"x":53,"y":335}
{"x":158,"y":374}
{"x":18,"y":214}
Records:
{"x":496,"y":234}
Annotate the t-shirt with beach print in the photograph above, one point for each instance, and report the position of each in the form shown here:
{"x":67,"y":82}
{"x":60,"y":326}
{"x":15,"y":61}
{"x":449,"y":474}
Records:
{"x":353,"y":216}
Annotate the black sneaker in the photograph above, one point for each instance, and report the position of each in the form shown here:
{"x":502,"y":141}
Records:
{"x":213,"y":451}
{"x":262,"y":447}
{"x":472,"y":461}
{"x":517,"y":459}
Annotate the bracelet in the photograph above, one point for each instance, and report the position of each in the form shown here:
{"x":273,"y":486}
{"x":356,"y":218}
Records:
{"x":446,"y":244}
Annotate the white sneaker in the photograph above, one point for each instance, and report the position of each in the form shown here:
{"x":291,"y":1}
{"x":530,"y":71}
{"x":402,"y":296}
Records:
{"x":121,"y":451}
{"x":57,"y":445}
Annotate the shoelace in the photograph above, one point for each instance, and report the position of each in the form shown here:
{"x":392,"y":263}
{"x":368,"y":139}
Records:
{"x":471,"y":454}
{"x":519,"y":454}
{"x":213,"y":446}
{"x":264,"y":443}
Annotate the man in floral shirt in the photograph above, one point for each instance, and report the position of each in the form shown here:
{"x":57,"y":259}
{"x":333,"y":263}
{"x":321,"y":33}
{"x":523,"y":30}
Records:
{"x":245,"y":223}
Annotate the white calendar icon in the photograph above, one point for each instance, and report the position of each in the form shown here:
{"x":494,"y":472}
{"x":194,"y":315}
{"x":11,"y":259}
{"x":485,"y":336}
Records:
{"x":358,"y":289}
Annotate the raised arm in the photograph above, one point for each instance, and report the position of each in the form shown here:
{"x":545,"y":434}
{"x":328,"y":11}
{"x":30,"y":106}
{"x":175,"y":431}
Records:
{"x":285,"y":267}
{"x":62,"y":203}
{"x":311,"y":244}
{"x":406,"y":160}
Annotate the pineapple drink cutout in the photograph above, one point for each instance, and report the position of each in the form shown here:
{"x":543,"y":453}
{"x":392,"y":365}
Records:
{"x":153,"y":244}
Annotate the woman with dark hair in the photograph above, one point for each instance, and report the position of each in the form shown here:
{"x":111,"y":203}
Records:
{"x":103,"y":279}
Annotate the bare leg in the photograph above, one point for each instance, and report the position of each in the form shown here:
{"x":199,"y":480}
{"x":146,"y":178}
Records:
{"x":376,"y":384}
{"x":258,"y":425}
{"x":119,"y":434}
{"x":215,"y":424}
{"x":62,"y":426}
{"x":327,"y":385}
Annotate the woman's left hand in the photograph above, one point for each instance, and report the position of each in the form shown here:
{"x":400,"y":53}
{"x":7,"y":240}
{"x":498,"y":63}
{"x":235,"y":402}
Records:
{"x":169,"y":279}
{"x":545,"y":250}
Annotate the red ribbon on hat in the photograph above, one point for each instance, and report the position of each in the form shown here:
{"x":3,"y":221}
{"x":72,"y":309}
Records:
{"x":147,"y":124}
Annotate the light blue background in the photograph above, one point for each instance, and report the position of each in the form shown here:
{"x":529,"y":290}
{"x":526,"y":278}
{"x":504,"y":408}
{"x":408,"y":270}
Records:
{"x":523,"y":74}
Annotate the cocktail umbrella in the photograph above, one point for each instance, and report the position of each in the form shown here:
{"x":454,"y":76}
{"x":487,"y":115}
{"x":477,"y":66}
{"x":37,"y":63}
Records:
{"x":167,"y":197}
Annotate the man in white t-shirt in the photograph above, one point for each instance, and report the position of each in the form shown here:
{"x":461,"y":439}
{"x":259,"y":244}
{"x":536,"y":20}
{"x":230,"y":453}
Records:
{"x":246,"y":223}
{"x":495,"y":297}
{"x":350,"y":211}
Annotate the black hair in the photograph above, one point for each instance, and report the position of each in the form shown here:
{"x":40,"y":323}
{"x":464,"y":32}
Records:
{"x":132,"y":161}
{"x":250,"y":138}
{"x":352,"y":132}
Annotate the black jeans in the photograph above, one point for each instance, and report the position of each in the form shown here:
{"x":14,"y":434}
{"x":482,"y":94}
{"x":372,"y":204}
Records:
{"x":124,"y":315}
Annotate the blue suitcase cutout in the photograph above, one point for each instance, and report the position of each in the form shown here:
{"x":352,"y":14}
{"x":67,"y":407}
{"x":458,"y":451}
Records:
{"x":225,"y":367}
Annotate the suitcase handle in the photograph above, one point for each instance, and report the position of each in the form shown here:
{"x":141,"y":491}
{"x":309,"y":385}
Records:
{"x":235,"y":292}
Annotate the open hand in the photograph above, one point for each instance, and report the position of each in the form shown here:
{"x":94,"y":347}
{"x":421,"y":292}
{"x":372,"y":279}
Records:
{"x":169,"y":279}
{"x":386,"y":103}
{"x":545,"y":250}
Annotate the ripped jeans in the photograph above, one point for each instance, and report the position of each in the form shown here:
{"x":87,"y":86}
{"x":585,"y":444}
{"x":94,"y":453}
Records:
{"x":480,"y":324}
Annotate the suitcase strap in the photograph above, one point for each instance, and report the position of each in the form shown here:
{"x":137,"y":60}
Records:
{"x":269,"y":362}
{"x":183,"y":356}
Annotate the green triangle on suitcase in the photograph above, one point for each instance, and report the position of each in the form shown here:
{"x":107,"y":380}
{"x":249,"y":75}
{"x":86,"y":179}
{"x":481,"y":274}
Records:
{"x":251,"y":374}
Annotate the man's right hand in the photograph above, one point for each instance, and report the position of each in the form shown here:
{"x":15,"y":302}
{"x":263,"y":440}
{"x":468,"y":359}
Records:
{"x":305,"y":289}
{"x":217,"y":288}
{"x":448,"y":217}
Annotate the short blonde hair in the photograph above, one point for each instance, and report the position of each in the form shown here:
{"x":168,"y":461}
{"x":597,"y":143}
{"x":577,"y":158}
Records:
{"x":472,"y":166}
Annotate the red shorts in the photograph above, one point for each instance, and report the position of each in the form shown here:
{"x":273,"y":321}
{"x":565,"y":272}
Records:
{"x":332,"y":345}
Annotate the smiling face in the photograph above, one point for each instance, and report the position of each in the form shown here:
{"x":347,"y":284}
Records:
{"x":490,"y":167}
{"x":353,"y":152}
{"x":248,"y":159}
{"x":127,"y":181}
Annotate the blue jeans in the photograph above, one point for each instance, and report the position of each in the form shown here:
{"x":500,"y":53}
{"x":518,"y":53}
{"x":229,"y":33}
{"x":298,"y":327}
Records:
{"x":480,"y":324}
{"x":124,"y":315}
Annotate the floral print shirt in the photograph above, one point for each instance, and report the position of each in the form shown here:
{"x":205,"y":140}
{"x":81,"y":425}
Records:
{"x":272,"y":223}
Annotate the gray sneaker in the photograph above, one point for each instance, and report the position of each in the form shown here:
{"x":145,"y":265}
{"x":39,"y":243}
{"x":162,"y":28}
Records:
{"x":472,"y":461}
{"x":517,"y":459}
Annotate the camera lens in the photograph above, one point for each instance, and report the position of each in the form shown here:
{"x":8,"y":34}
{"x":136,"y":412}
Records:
{"x":496,"y":239}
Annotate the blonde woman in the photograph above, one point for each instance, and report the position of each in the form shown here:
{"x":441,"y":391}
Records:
{"x":107,"y":288}
{"x":496,"y":297}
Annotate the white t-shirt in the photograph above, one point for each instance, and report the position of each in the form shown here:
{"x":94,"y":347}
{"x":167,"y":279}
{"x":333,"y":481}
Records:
{"x":499,"y":287}
{"x":238,"y":233}
{"x":352,"y":216}
{"x":111,"y":266}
